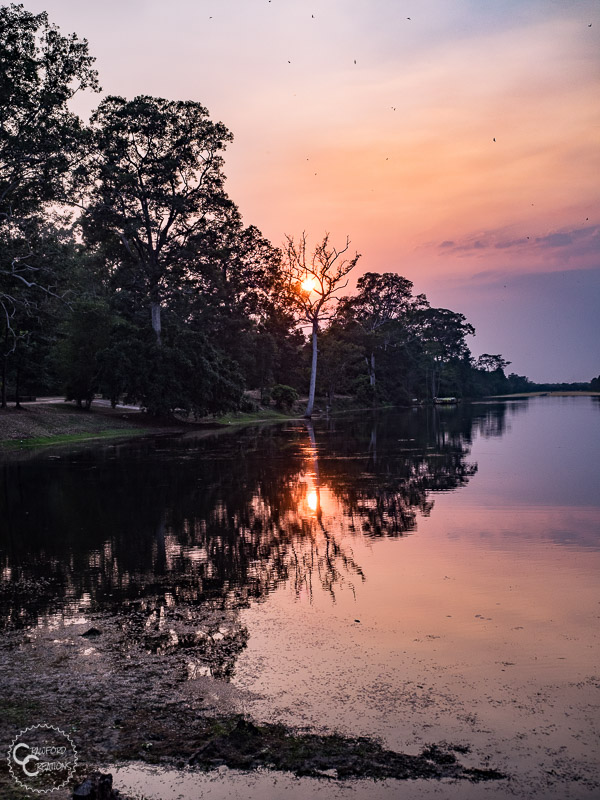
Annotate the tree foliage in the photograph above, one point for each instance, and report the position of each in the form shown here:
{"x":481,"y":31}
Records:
{"x":155,"y":186}
{"x":383,"y":312}
{"x":284,"y":396}
{"x":40,"y":143}
{"x":40,"y":71}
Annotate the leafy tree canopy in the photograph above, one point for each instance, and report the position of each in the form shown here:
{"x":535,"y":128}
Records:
{"x":40,"y":71}
{"x":155,"y":185}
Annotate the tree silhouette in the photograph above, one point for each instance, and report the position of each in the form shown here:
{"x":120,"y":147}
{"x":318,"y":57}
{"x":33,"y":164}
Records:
{"x":311,"y":283}
{"x":382,"y":309}
{"x":40,"y":71}
{"x":155,"y":186}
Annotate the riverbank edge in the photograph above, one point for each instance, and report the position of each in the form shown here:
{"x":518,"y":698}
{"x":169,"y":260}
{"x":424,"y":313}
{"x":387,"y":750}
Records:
{"x":236,"y":742}
{"x":539,"y":394}
{"x":71,"y":425}
{"x":45,"y":424}
{"x":101,"y":423}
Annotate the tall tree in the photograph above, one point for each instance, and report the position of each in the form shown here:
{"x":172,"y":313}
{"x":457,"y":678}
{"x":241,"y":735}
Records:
{"x":383,"y":308}
{"x":230,"y":287}
{"x":40,"y":71}
{"x":155,"y":188}
{"x":40,"y":142}
{"x":442,"y":333}
{"x":311,"y":283}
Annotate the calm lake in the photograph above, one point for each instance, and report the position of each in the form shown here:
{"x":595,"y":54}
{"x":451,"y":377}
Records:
{"x":418,"y":576}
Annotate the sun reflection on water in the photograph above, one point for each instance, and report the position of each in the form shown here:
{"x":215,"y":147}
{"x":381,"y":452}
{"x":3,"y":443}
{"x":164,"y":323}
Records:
{"x":312,"y":500}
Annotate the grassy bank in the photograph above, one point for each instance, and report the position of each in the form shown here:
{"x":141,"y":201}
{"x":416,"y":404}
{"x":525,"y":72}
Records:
{"x":43,"y":424}
{"x":263,"y":415}
{"x":71,"y":438}
{"x":38,"y":425}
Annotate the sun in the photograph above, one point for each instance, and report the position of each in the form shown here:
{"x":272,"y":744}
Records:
{"x":308,"y":284}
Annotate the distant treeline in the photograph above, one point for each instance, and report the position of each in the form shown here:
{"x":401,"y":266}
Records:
{"x":592,"y":386}
{"x":519,"y":383}
{"x":126,"y":269}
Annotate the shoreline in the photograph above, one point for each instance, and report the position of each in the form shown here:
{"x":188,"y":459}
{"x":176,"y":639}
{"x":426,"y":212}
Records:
{"x":127,"y":699}
{"x":587,"y":393}
{"x":46,"y":423}
{"x":51,"y":422}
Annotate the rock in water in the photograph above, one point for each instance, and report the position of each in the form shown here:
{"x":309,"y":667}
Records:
{"x":97,"y":786}
{"x":85,"y":789}
{"x":91,"y":633}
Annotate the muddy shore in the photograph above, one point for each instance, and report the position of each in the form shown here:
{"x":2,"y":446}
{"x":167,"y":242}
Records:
{"x":150,"y":684}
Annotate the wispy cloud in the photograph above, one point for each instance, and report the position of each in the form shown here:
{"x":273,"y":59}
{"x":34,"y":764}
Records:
{"x":575,"y":247}
{"x":507,"y":244}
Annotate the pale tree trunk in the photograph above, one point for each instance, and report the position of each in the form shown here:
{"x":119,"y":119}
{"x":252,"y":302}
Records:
{"x":155,"y":312}
{"x":313,"y":371}
{"x":372,"y":370}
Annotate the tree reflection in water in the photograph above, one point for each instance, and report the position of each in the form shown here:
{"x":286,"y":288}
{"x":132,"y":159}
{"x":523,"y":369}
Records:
{"x":222,"y":519}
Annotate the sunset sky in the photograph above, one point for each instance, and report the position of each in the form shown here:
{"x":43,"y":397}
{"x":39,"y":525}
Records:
{"x":455,"y":141}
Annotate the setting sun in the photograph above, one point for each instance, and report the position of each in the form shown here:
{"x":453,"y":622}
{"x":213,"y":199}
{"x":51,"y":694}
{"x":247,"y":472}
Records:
{"x":308,"y":284}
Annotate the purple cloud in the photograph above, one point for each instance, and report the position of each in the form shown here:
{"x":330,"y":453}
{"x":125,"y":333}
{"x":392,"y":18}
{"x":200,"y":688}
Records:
{"x":572,"y":243}
{"x":555,"y":240}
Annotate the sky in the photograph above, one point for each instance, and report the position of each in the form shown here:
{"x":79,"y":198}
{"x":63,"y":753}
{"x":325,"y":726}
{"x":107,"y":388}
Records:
{"x":456,"y":142}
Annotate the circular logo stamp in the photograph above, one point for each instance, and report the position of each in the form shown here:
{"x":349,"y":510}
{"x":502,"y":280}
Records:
{"x":42,"y":759}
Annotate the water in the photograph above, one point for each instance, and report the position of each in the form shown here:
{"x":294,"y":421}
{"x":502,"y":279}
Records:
{"x":418,"y":576}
